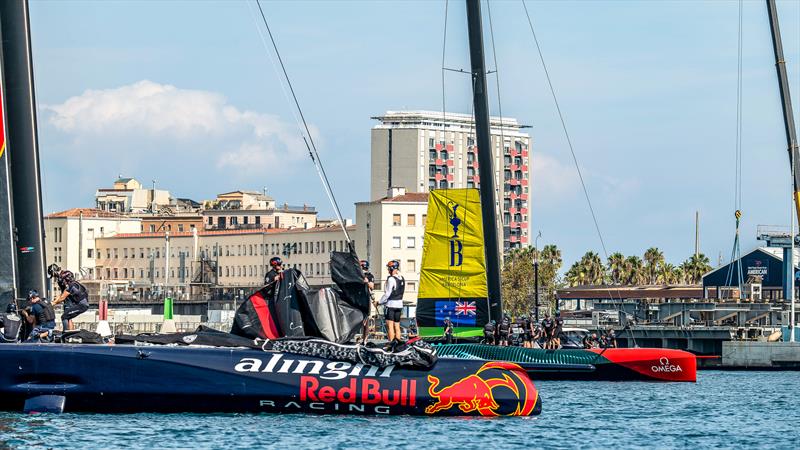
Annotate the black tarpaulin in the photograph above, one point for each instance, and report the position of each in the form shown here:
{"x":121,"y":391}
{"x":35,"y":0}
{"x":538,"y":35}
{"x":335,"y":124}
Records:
{"x":331,"y":317}
{"x":347,"y":274}
{"x":256,"y":317}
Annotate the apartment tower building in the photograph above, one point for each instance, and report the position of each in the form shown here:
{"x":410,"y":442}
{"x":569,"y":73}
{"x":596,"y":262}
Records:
{"x":425,"y":150}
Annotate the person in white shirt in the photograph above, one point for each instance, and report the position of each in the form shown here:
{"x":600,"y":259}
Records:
{"x":393,"y":300}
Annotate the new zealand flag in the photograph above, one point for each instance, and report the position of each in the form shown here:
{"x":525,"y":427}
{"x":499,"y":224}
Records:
{"x":461,"y":313}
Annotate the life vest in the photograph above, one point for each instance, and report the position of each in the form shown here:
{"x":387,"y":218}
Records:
{"x":47,"y":313}
{"x":399,"y":288}
{"x":81,"y":295}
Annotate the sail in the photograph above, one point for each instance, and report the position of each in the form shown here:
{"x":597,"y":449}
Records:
{"x":7,"y":263}
{"x":453,"y":272}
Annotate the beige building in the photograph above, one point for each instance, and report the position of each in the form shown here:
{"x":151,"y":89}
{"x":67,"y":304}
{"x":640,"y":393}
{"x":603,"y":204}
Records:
{"x":393,"y":227}
{"x":70,"y":237}
{"x":424,"y":150}
{"x":254,"y":210}
{"x":128,"y":196}
{"x":238,"y":258}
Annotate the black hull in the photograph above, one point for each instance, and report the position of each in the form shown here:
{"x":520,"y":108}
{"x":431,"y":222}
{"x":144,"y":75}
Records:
{"x":127,"y":379}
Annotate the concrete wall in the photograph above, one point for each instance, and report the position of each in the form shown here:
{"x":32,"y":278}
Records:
{"x":749,"y":354}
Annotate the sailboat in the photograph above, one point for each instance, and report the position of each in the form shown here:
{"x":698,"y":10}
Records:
{"x":210,"y":371}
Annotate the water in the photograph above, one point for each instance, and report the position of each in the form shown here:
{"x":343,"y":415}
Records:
{"x":722,"y":410}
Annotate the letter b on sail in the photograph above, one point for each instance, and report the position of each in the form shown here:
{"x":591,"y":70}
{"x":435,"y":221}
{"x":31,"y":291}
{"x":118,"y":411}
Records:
{"x":456,"y":253}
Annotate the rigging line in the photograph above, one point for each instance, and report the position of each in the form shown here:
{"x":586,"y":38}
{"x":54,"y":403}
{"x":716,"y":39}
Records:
{"x":574,"y":157}
{"x":738,"y":175}
{"x":312,"y":149}
{"x":444,"y":49}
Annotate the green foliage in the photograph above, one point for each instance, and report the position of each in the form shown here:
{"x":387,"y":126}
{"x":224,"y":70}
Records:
{"x":518,"y":278}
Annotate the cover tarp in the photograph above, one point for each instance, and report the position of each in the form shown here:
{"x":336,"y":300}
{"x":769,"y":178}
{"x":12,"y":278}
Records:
{"x":255,"y":318}
{"x":347,"y":274}
{"x":201,"y":336}
{"x":453,"y":271}
{"x":289,"y":300}
{"x":332,"y":317}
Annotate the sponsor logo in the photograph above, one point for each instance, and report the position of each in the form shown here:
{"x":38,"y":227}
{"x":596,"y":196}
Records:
{"x":466,"y":308}
{"x":189,"y":339}
{"x":332,"y":370}
{"x":476,"y":393}
{"x":665,"y":366}
{"x":456,"y":244}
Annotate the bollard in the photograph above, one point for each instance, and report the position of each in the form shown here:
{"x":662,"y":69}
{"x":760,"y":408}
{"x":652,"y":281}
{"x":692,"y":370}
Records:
{"x":169,"y":322}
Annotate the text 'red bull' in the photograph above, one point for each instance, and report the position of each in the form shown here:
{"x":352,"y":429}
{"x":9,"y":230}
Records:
{"x":364,"y":391}
{"x":475,"y":393}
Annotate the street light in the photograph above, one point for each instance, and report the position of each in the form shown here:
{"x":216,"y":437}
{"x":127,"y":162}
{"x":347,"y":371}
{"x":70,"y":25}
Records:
{"x":536,"y":276}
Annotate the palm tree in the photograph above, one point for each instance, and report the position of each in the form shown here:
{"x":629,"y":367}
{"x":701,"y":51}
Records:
{"x":666,"y":274}
{"x":616,"y":268}
{"x":695,"y":267}
{"x":653,"y":259}
{"x":634,"y":270}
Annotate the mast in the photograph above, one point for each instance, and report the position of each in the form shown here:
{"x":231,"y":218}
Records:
{"x":485,"y":158}
{"x":786,"y":101}
{"x":794,"y":153}
{"x":22,"y":146}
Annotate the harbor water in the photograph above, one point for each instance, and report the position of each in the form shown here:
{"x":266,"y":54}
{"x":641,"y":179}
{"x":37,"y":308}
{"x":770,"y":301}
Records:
{"x":721,"y":410}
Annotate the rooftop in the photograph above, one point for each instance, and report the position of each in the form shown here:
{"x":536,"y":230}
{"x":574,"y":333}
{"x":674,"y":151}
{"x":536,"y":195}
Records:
{"x":437,"y":116}
{"x":87,"y":213}
{"x":326,"y":229}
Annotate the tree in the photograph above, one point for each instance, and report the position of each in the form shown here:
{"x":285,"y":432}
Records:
{"x":589,"y":270}
{"x":634,"y":270}
{"x":616,"y":268}
{"x":518,"y":278}
{"x":695,"y":267}
{"x":653,"y":260}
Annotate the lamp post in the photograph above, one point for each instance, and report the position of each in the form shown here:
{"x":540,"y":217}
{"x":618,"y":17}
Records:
{"x":536,"y":276}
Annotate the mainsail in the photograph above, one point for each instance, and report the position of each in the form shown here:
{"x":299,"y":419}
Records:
{"x":453,"y":271}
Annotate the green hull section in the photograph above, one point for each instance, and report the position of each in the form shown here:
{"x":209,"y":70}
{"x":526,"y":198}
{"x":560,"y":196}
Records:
{"x":457,"y":332}
{"x":518,"y":354}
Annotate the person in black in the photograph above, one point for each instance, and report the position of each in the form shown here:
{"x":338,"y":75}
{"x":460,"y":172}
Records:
{"x":40,"y":315}
{"x":588,"y":341}
{"x":369,"y":279}
{"x":393,"y":300}
{"x":527,"y":333}
{"x":488,"y":332}
{"x":74,"y":297}
{"x":548,"y":328}
{"x":275,"y":269}
{"x":558,"y":330}
{"x":610,"y":340}
{"x":448,"y":330}
{"x":502,"y":331}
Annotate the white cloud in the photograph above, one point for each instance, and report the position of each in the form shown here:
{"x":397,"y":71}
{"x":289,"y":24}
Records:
{"x":551,"y":179}
{"x":191,"y":123}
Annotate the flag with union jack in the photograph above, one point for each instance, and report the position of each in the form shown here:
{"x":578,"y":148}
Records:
{"x":461,"y":313}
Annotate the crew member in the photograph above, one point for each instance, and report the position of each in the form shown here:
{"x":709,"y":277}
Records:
{"x":548,"y":328}
{"x":587,"y":341}
{"x":558,"y":330}
{"x":610,"y":340}
{"x":488,"y":332}
{"x":393,"y":300}
{"x":369,"y":278}
{"x":527,"y":332}
{"x":502,"y":331}
{"x":275,"y":269}
{"x":448,"y":330}
{"x":74,"y":297}
{"x":40,"y":315}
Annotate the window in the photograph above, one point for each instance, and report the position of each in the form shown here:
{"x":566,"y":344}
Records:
{"x":506,"y":175}
{"x":396,"y":242}
{"x":470,"y":184}
{"x":152,"y":228}
{"x":141,"y":253}
{"x":432,"y":155}
{"x":396,"y":220}
{"x":506,"y":218}
{"x":431,"y":170}
{"x":470,"y":157}
{"x":180,"y":227}
{"x":246,"y":220}
{"x":506,"y":160}
{"x":443,"y":184}
{"x":90,"y":253}
{"x":431,"y":184}
{"x":443,"y":155}
{"x":412,"y":220}
{"x":471,"y":171}
{"x":424,"y":219}
{"x":411,"y":265}
{"x":258,"y":220}
{"x":411,"y":242}
{"x":431,"y":143}
{"x":470,"y":140}
{"x":412,"y":286}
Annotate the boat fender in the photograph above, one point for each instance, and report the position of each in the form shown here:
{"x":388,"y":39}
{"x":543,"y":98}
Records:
{"x":44,"y":404}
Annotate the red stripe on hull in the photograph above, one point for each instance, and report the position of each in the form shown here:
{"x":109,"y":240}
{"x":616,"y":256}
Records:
{"x":657,"y":363}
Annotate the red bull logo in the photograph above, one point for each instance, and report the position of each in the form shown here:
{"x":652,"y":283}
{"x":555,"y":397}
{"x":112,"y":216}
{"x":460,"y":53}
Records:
{"x":495,"y":386}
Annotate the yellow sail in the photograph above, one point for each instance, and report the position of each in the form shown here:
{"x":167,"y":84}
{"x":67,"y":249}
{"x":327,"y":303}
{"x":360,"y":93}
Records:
{"x":453,"y":271}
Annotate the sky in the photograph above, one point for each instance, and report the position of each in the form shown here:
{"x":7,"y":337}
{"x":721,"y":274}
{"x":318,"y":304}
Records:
{"x":188,"y":94}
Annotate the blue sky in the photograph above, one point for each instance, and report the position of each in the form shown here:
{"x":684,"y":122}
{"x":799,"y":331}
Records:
{"x":185,"y":93}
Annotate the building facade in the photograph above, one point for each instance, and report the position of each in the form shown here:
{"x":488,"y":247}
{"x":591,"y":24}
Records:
{"x":128,"y":196}
{"x":70,"y":237}
{"x":390,"y":228}
{"x":254,"y":210}
{"x":239,"y":259}
{"x":423,"y":150}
